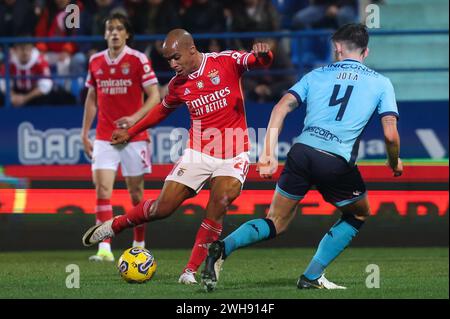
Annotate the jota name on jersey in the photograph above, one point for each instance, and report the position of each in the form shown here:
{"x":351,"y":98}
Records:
{"x":347,"y":76}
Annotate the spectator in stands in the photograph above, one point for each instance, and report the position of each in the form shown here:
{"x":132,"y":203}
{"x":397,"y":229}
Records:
{"x":156,"y":17}
{"x":267,"y":86}
{"x":60,"y":55}
{"x":205,"y":16}
{"x":309,"y":52}
{"x":253,"y":16}
{"x":16,"y":17}
{"x":261,"y":16}
{"x":326,"y":14}
{"x":92,"y":23}
{"x":32,"y":85}
{"x":287,"y":9}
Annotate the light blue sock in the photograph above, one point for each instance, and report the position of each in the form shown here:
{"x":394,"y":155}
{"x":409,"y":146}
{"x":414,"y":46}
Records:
{"x":331,"y":246}
{"x":249,"y":233}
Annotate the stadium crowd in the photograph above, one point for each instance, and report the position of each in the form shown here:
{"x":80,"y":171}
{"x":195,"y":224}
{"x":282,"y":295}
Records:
{"x":42,"y":70}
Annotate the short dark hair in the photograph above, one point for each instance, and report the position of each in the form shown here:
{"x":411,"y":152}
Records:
{"x":124,"y":20}
{"x":23,"y":35}
{"x":354,"y":35}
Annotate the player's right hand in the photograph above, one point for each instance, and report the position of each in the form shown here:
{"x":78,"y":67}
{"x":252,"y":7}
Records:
{"x":119,"y":136}
{"x":267,"y":166}
{"x":87,"y":145}
{"x":398,"y":171}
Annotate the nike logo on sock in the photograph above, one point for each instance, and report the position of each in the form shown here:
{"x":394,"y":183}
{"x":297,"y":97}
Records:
{"x":256,"y":228}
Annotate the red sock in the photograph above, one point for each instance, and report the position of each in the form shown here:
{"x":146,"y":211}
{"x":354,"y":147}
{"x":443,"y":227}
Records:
{"x":208,"y":232}
{"x":103,"y":212}
{"x":139,"y":232}
{"x":136,"y":216}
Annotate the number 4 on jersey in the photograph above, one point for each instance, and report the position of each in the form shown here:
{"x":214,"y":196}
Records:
{"x":343,"y":101}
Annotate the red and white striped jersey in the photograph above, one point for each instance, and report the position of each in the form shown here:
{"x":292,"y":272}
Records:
{"x":36,"y":67}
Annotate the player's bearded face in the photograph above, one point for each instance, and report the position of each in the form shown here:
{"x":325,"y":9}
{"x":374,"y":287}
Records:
{"x":116,"y":34}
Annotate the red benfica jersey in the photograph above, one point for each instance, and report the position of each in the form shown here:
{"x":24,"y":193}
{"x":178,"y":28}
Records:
{"x":36,"y":66}
{"x":215,"y":100}
{"x":118,"y":83}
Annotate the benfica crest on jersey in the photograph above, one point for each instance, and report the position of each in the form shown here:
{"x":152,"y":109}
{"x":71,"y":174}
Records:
{"x":125,"y":68}
{"x":214,"y":76}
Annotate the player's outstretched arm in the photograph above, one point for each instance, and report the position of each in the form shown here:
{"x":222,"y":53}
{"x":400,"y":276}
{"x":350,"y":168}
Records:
{"x":392,"y":141}
{"x":158,"y":113}
{"x":268,"y":164}
{"x":153,"y":98}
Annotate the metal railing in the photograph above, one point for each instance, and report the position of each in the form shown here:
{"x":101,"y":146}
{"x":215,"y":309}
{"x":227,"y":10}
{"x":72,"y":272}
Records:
{"x":6,"y":42}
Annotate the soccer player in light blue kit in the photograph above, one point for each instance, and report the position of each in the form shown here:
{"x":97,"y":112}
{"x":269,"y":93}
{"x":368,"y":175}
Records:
{"x":340,"y":100}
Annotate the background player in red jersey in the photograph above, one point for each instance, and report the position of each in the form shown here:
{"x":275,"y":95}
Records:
{"x":210,"y":85}
{"x":116,"y":80}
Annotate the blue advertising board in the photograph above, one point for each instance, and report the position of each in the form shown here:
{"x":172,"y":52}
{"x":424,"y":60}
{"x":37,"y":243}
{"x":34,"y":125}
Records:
{"x":44,"y":135}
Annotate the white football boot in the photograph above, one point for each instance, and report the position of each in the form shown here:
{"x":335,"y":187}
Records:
{"x":187,"y":278}
{"x":98,"y":233}
{"x":319,"y":283}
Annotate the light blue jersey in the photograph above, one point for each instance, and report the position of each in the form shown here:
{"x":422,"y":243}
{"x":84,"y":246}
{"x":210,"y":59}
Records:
{"x":340,"y":100}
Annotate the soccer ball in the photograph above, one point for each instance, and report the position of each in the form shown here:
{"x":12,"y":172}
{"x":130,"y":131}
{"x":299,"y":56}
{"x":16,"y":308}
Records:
{"x":136,"y":265}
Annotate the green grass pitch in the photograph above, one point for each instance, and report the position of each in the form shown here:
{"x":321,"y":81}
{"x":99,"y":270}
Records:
{"x":248,"y":273}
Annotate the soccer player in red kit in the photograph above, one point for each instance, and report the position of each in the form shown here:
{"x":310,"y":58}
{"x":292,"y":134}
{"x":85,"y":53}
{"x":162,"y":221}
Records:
{"x":117,"y":79}
{"x":217,"y":150}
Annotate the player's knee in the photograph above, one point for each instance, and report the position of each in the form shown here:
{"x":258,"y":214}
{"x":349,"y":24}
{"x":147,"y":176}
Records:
{"x":103,"y":191}
{"x":223,"y":200}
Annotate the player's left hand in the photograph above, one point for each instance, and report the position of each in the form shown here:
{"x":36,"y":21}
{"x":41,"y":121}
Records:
{"x":260,"y":49}
{"x":119,"y":136}
{"x":267,"y":166}
{"x":125,"y":122}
